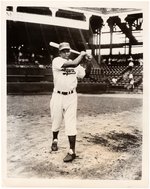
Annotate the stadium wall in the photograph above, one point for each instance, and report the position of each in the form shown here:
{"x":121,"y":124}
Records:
{"x":47,"y":88}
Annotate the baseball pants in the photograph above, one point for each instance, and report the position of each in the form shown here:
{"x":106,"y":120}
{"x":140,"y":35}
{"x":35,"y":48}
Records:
{"x":64,"y":107}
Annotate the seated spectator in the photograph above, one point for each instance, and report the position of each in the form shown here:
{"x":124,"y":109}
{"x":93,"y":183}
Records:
{"x":141,"y":62}
{"x":126,"y":75}
{"x":130,"y":85}
{"x":130,"y":76}
{"x":109,"y":61}
{"x":114,"y":80}
{"x":131,"y":64}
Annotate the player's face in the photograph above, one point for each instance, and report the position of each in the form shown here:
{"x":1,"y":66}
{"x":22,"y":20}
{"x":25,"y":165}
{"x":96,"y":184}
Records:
{"x":65,"y":53}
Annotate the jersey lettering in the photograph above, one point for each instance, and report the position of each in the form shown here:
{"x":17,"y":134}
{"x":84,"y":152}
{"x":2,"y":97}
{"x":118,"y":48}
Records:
{"x":68,"y":71}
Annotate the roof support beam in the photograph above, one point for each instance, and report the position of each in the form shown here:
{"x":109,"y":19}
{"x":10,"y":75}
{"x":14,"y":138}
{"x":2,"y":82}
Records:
{"x":48,"y":20}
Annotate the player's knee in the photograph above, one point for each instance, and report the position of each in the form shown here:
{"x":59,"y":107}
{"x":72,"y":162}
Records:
{"x":71,"y":132}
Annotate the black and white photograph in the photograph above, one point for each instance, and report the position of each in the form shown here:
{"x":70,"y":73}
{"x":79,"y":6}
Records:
{"x":74,"y":93}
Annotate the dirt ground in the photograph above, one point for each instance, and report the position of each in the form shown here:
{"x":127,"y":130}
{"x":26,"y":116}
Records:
{"x":109,"y":140}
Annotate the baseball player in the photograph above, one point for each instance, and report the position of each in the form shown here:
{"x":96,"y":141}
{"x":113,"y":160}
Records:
{"x":63,"y":103}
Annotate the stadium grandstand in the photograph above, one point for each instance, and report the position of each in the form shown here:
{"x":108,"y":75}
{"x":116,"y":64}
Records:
{"x":114,"y":36}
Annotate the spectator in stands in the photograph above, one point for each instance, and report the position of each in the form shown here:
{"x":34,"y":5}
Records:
{"x":140,"y":61}
{"x":114,"y":80}
{"x":129,"y":68}
{"x":129,"y":79}
{"x":130,"y":85}
{"x":20,"y":56}
{"x":32,"y":58}
{"x":51,"y":57}
{"x":130,"y":76}
{"x":131,"y":64}
{"x":109,"y":61}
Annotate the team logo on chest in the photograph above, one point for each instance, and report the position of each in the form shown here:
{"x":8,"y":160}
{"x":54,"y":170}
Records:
{"x":68,"y":71}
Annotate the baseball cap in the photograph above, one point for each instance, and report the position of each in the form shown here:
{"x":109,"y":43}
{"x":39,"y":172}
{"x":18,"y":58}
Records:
{"x":64,"y":45}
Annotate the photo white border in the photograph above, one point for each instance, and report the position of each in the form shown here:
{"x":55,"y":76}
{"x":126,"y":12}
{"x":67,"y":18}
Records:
{"x":10,"y":182}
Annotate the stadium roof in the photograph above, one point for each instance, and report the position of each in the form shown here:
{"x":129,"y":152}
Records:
{"x":107,"y":11}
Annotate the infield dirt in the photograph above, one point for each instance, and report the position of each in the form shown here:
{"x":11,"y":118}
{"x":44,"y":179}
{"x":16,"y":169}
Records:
{"x":109,"y":140}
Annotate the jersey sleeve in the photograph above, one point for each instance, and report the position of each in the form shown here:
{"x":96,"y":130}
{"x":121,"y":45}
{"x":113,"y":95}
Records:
{"x":80,"y":71}
{"x":57,"y":63}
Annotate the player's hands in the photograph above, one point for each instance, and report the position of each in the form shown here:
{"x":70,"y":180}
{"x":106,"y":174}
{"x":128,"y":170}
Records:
{"x":86,"y":55}
{"x":83,"y":53}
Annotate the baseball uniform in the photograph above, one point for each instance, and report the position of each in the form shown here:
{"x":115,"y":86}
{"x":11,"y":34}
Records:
{"x":63,"y":103}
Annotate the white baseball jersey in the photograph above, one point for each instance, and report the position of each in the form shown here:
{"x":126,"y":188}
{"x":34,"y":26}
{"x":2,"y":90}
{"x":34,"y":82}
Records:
{"x":65,"y":79}
{"x":65,"y":106}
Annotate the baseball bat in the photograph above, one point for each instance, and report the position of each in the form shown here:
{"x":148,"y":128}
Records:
{"x":56,"y":45}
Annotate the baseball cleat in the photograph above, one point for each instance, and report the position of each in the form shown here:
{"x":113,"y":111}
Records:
{"x":69,"y":157}
{"x":54,"y":146}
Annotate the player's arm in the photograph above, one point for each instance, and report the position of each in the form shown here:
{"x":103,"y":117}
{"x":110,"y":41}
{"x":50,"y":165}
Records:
{"x":74,"y":63}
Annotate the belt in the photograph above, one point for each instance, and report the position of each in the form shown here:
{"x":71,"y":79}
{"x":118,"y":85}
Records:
{"x":65,"y":93}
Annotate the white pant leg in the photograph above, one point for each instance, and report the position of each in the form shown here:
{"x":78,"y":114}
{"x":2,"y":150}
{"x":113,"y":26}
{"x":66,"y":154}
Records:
{"x":56,"y":111}
{"x":70,"y":115}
